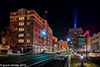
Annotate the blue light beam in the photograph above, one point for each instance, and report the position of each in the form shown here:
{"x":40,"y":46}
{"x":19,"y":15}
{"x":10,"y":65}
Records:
{"x":75,"y":13}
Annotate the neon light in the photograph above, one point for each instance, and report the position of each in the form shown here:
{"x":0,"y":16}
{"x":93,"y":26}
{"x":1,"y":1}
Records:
{"x":87,"y":33}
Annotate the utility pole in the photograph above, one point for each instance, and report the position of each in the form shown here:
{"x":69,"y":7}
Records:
{"x":46,"y":28}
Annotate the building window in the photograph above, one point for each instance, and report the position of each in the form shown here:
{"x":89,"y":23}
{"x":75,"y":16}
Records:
{"x":21,"y":41}
{"x":95,"y":38}
{"x":32,"y":17}
{"x":15,"y":28}
{"x":39,"y":41}
{"x":39,"y":32}
{"x":36,"y":25}
{"x":39,"y":37}
{"x":28,"y":23}
{"x":39,"y":27}
{"x":28,"y":17}
{"x":21,"y":35}
{"x":14,"y":25}
{"x":21,"y":23}
{"x":21,"y":29}
{"x":21,"y":18}
{"x":28,"y":28}
{"x":28,"y":40}
{"x":28,"y":34}
{"x":36,"y":30}
{"x":75,"y":32}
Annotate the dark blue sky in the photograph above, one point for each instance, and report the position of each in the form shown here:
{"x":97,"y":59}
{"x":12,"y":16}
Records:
{"x":60,"y":14}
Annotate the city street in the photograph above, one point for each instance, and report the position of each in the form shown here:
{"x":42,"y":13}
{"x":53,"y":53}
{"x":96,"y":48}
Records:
{"x":40,"y":33}
{"x":37,"y":60}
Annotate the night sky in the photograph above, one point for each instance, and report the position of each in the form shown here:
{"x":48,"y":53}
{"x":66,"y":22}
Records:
{"x":60,"y":14}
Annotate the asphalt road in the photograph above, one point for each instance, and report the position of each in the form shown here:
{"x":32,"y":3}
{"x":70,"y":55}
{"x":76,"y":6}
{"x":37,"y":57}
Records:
{"x":56,"y":63}
{"x":36,"y":60}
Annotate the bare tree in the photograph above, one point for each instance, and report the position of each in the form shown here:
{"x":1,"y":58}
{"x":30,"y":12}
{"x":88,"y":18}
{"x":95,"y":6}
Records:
{"x":11,"y":37}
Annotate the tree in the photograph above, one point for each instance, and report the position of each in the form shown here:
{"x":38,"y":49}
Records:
{"x":11,"y":37}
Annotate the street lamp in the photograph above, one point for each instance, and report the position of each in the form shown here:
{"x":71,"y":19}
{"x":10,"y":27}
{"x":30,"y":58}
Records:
{"x":68,"y":39}
{"x":43,"y":32}
{"x":81,"y":56}
{"x":61,"y":39}
{"x":74,"y":53}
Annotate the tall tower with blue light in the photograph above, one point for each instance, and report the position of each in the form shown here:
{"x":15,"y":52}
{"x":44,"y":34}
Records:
{"x":75,"y":13}
{"x":75,"y":23}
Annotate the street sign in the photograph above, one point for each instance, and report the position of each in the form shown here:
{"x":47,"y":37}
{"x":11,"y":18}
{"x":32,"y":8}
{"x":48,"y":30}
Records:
{"x":82,"y":41}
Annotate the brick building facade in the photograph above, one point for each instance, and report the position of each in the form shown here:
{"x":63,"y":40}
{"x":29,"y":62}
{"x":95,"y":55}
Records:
{"x":29,"y":25}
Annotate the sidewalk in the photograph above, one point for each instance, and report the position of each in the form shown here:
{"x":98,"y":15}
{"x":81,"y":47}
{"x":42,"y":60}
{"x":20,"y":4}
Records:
{"x":96,"y":60}
{"x":75,"y":62}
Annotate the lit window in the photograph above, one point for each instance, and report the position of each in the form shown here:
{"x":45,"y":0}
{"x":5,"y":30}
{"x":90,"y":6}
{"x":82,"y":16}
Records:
{"x":21,"y":35}
{"x":28,"y":23}
{"x":75,"y":32}
{"x":21,"y":41}
{"x":28,"y":40}
{"x":28,"y":34}
{"x":21,"y":29}
{"x":21,"y":23}
{"x":28,"y":17}
{"x":21,"y":18}
{"x":14,"y":18}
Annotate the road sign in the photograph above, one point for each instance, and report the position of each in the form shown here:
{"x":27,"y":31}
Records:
{"x":82,"y":41}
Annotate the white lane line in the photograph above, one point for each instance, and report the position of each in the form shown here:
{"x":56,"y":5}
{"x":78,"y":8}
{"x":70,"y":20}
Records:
{"x":69,"y":61}
{"x":40,"y":62}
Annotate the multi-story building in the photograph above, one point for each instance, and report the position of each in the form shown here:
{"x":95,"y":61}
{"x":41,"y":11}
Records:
{"x":29,"y":25}
{"x":55,"y":39}
{"x":95,"y":42}
{"x":73,"y":34}
{"x":49,"y":36}
{"x":63,"y":44}
{"x":55,"y":44}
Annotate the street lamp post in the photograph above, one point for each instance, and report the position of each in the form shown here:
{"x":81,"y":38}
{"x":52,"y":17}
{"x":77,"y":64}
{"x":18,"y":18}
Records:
{"x":68,"y":40}
{"x":43,"y":33}
{"x":82,"y":60}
